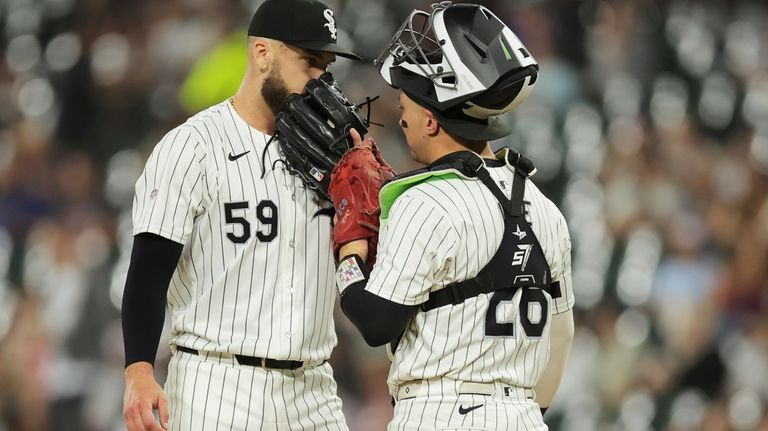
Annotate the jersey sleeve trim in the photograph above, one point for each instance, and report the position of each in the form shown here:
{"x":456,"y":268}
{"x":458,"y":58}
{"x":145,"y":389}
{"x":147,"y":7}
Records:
{"x":560,"y":307}
{"x":165,"y":233}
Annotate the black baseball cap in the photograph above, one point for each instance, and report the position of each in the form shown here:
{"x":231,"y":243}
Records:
{"x":456,"y":122}
{"x":464,"y":126}
{"x":306,"y":24}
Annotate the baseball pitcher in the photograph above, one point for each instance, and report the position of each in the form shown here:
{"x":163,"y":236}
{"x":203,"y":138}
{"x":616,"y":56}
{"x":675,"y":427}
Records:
{"x":239,"y":247}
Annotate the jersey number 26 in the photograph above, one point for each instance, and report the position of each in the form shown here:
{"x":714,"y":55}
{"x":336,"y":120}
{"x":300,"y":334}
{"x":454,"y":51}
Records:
{"x":533,"y":327}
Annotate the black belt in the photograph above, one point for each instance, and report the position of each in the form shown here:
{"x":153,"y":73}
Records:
{"x":252,"y":361}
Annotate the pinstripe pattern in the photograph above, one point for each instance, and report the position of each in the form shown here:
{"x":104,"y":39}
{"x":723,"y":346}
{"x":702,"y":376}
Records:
{"x":231,"y":397}
{"x":255,"y":276}
{"x":258,"y":298}
{"x":443,"y":231}
{"x":442,"y":413}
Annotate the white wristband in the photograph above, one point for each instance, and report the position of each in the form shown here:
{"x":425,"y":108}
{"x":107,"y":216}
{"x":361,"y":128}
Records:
{"x":348,"y":273}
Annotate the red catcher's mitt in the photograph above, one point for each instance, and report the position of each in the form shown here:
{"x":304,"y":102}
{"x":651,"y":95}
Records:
{"x":355,"y":184}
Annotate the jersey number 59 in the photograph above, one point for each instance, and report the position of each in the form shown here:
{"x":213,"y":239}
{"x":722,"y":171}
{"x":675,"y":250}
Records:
{"x":266,"y":212}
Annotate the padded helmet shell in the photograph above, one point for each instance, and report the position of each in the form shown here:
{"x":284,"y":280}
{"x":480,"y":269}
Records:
{"x":459,"y":54}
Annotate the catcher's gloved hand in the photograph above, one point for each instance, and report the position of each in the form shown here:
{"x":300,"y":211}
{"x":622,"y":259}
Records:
{"x":313,"y":131}
{"x":355,"y":184}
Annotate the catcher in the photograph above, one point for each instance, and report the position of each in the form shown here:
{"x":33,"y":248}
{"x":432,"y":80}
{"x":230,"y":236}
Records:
{"x":471,"y":287}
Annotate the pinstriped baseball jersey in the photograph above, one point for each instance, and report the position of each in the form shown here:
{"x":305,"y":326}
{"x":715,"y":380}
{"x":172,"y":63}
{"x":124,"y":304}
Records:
{"x":256,"y":273}
{"x":446,"y":230}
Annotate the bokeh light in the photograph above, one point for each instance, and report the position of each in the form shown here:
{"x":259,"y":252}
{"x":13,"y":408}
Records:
{"x":110,"y":55}
{"x":63,"y":52}
{"x":22,"y":53}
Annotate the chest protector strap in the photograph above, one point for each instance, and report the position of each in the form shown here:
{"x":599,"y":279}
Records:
{"x":519,"y":261}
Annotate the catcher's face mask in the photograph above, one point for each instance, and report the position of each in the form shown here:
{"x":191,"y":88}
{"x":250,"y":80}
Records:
{"x":459,"y":56}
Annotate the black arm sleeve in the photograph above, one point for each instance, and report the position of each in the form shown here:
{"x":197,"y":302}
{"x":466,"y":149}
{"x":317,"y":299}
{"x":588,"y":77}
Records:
{"x":153,"y":261}
{"x":379,"y":320}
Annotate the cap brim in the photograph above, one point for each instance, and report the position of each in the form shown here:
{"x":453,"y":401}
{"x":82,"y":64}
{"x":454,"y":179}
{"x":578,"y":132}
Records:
{"x":472,"y":129}
{"x":326,"y":47}
{"x":456,"y":122}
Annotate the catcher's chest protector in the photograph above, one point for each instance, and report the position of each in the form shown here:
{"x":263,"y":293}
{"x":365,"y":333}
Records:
{"x":519,"y":262}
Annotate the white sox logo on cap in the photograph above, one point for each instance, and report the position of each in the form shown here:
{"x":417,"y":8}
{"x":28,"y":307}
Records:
{"x":313,"y":26}
{"x":331,"y":24}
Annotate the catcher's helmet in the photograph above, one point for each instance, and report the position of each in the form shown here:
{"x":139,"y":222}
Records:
{"x":464,"y":64}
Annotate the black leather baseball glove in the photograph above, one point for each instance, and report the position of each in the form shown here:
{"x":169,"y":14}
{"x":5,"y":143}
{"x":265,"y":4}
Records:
{"x":313,"y":131}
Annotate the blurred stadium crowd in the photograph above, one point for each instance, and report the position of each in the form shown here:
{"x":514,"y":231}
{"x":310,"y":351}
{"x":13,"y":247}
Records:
{"x":649,"y":127}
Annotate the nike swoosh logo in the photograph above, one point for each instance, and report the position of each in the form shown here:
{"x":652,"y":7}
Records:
{"x":463,"y":411}
{"x":324,"y":211}
{"x":232,"y":157}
